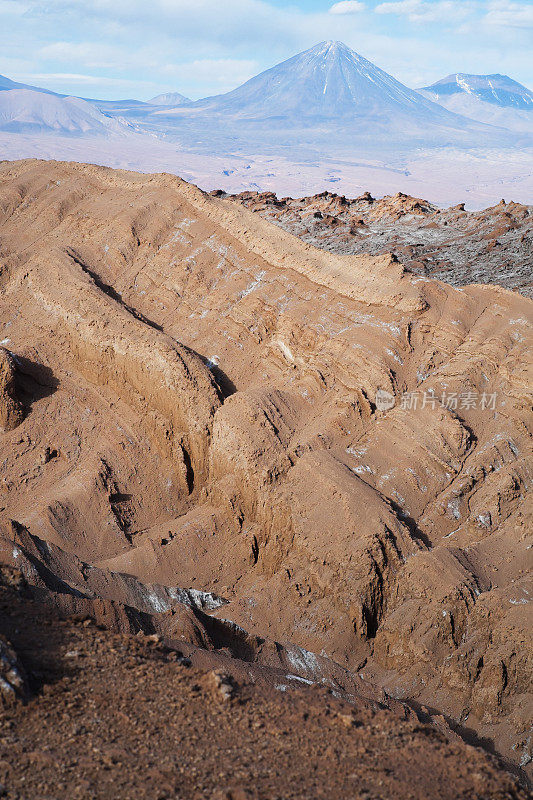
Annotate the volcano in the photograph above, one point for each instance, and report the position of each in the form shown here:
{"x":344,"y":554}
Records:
{"x":328,"y":82}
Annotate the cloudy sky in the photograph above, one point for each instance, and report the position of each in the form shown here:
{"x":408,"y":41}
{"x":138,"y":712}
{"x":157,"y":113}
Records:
{"x":134,"y":48}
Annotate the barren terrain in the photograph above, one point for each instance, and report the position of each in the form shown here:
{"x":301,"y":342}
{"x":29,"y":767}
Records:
{"x":478,"y":177}
{"x":494,"y":245}
{"x":115,"y":716}
{"x":310,"y":464}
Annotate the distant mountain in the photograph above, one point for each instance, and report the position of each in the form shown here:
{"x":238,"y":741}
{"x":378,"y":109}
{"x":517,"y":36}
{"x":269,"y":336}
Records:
{"x":499,"y":90}
{"x":326,"y":93}
{"x":6,"y":84}
{"x":110,"y":108}
{"x":319,"y":118}
{"x":29,"y":111}
{"x":491,"y":99}
{"x":329,"y":83}
{"x":169,"y":99}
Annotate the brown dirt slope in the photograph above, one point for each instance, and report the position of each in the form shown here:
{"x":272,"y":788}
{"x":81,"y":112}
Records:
{"x":114,"y":716}
{"x":333,"y":450}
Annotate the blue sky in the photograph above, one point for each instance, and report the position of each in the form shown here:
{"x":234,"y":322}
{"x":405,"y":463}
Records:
{"x":134,"y":48}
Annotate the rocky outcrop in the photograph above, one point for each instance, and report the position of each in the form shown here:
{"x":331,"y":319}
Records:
{"x":11,"y":412}
{"x":183,"y":619}
{"x":13,"y":681}
{"x":455,"y":245}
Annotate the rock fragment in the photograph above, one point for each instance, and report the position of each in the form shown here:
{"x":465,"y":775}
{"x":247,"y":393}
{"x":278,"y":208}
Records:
{"x":13,"y":681}
{"x":11,"y":411}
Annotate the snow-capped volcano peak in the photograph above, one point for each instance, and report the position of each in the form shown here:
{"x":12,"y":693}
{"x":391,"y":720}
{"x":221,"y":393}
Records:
{"x":330,"y":80}
{"x":329,"y":48}
{"x":499,"y":90}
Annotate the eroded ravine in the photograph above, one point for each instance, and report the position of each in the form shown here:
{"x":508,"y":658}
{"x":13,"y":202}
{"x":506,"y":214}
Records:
{"x":200,"y":394}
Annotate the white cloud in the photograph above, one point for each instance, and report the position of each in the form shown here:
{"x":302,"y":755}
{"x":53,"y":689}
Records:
{"x":400,"y":7}
{"x":205,"y":47}
{"x":220,"y":72}
{"x":58,"y":80}
{"x":206,"y":75}
{"x":231,"y":23}
{"x":93,"y":55}
{"x":12,"y":8}
{"x":510,"y":14}
{"x":450,"y":11}
{"x":347,"y":7}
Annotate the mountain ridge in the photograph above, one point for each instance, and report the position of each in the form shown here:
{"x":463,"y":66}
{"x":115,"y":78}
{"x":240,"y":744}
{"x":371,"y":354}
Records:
{"x":327,"y":80}
{"x":491,"y":99}
{"x":224,"y":381}
{"x":27,"y":111}
{"x":497,"y":89}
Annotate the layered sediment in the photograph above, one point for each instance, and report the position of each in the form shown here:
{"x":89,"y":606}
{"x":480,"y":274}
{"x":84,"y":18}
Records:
{"x":221,"y":435}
